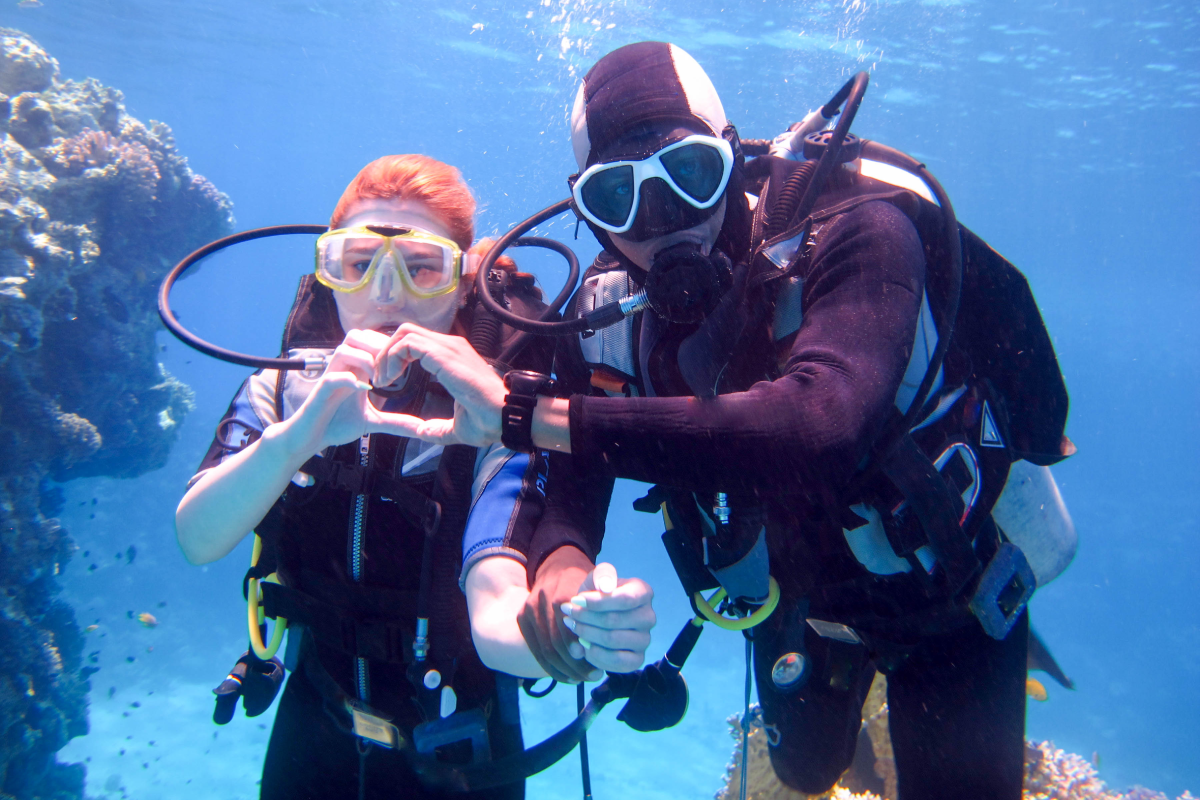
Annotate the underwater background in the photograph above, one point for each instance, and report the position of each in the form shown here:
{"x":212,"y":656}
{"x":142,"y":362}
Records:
{"x":1064,"y":132}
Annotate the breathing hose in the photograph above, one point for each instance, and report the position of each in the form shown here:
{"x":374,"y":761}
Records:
{"x":194,"y":341}
{"x":802,"y":188}
{"x":263,"y":362}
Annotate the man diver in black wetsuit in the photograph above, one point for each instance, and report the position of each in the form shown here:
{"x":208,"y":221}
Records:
{"x":761,"y":391}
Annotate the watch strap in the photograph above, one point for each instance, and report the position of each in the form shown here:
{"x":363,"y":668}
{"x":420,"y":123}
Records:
{"x":516,"y":417}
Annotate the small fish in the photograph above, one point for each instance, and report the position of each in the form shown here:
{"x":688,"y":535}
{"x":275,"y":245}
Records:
{"x":148,"y":620}
{"x":130,"y":554}
{"x":90,"y":628}
{"x":1034,"y":688}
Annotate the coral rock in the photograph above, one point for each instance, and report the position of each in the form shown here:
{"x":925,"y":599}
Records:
{"x":31,"y":121}
{"x":26,"y":66}
{"x":84,"y":393}
{"x":1050,"y":773}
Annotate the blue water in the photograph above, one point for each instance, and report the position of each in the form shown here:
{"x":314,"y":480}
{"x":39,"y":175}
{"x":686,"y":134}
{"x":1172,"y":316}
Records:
{"x":1064,"y":132}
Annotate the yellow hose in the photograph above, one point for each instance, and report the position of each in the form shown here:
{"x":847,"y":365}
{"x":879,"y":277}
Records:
{"x":254,"y":615}
{"x":707,"y":608}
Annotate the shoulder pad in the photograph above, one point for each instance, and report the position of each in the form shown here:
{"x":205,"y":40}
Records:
{"x":610,"y":347}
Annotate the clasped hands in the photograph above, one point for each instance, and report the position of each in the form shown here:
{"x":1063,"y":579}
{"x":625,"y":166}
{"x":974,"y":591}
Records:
{"x":579,"y":618}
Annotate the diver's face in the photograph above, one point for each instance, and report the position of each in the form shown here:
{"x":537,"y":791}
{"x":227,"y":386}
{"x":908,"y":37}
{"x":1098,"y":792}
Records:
{"x":640,"y":143}
{"x":703,"y":235}
{"x":386,"y":304}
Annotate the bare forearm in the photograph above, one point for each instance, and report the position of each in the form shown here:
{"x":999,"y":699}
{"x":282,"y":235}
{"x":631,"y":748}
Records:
{"x":231,"y":498}
{"x":496,"y":592}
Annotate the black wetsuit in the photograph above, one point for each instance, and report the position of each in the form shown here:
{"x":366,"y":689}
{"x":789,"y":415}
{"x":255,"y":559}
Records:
{"x":792,"y":442}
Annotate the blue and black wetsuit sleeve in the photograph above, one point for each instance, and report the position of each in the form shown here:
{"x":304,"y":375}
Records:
{"x":509,"y":498}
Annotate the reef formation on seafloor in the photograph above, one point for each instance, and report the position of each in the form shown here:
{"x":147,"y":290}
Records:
{"x":95,"y":207}
{"x":1050,"y":773}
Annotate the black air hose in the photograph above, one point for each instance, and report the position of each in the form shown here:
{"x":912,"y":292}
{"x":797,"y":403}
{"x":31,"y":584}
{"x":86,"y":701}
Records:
{"x":485,"y":327}
{"x":485,"y":332}
{"x":789,"y":197}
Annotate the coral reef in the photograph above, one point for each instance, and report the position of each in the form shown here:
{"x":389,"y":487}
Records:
{"x":1050,"y":773}
{"x":94,"y":208}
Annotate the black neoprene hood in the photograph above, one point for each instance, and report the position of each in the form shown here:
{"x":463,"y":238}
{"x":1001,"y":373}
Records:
{"x":648,"y":88}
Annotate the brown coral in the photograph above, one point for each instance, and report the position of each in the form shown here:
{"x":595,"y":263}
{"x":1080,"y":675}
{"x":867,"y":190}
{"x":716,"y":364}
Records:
{"x":1050,"y":773}
{"x":109,"y":164}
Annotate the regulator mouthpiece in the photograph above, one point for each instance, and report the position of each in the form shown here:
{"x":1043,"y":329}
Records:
{"x":685,"y":285}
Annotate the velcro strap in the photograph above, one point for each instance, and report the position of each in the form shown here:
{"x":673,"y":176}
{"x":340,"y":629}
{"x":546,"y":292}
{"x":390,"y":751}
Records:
{"x":934,"y":504}
{"x":388,"y":640}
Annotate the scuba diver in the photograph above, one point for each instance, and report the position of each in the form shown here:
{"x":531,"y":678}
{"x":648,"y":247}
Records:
{"x":847,"y":404}
{"x":388,"y":558}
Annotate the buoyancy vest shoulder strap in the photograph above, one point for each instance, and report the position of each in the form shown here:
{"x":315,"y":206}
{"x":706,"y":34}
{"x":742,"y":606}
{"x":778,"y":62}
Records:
{"x":313,"y":320}
{"x":607,"y":357}
{"x":447,"y":605}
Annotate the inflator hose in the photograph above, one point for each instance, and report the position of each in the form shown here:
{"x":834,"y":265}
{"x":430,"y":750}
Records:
{"x":194,"y":341}
{"x":262,"y":362}
{"x":538,"y":327}
{"x":851,"y":94}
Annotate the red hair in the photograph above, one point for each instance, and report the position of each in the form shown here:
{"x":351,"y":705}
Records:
{"x":415,"y":177}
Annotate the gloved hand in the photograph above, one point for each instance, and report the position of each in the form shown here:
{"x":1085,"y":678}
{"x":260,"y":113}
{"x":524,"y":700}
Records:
{"x":541,"y":621}
{"x":252,"y":679}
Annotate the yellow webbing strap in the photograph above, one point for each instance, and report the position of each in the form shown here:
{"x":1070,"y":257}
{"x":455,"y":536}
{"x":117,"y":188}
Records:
{"x":254,"y":615}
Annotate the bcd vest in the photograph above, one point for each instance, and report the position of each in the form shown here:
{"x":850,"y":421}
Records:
{"x":372,"y":543}
{"x":921,"y":508}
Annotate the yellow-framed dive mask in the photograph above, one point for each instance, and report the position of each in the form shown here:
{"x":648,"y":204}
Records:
{"x":349,"y":259}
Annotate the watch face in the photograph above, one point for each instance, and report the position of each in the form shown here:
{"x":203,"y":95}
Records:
{"x":525,"y":382}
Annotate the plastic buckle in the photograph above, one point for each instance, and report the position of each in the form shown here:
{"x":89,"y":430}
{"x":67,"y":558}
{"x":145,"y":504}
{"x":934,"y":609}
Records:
{"x":1004,"y":589}
{"x":374,"y":728}
{"x":465,"y":725}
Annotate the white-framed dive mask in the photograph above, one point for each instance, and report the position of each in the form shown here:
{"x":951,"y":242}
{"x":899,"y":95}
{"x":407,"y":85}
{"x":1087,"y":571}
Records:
{"x":696,"y":168}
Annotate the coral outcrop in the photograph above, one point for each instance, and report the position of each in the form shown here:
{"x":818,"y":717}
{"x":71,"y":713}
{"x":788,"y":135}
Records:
{"x":1050,"y":773}
{"x":95,"y":207}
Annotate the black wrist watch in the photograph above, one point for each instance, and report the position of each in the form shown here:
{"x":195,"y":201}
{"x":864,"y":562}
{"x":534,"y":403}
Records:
{"x":516,"y":418}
